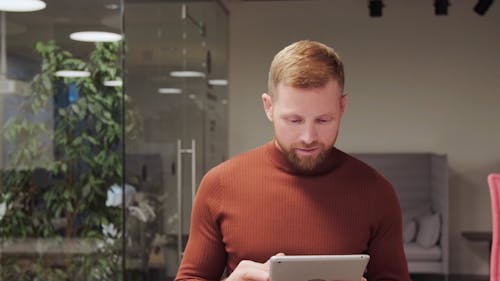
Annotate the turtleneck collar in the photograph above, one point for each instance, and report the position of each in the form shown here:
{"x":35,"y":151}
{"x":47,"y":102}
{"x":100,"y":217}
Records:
{"x":280,"y":160}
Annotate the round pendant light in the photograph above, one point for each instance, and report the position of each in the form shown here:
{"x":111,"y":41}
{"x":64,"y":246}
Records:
{"x":187,"y":74}
{"x":113,"y":83}
{"x":22,"y":5}
{"x":169,"y":91}
{"x":95,"y":36}
{"x":72,"y":73}
{"x":217,"y":82}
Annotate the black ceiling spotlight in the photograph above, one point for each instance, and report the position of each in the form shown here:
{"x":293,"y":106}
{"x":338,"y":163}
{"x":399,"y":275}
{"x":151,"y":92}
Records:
{"x":441,"y":7}
{"x":482,"y":6}
{"x":375,"y":8}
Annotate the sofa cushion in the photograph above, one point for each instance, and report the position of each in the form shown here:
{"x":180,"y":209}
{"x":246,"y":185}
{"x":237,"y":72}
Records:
{"x":429,"y":229}
{"x":409,"y":231}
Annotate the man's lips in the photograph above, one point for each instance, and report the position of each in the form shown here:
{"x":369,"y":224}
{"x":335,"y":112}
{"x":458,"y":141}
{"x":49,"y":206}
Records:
{"x":307,"y":151}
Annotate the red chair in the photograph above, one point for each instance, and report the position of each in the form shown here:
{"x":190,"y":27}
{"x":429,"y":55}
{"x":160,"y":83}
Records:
{"x":494,"y":183}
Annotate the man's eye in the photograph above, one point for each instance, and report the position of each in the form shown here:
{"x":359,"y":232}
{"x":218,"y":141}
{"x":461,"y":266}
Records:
{"x":323,"y":121}
{"x":296,"y":121}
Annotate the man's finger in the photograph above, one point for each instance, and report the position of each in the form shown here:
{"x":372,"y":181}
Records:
{"x":253,"y":274}
{"x":247,"y":264}
{"x":278,"y":254}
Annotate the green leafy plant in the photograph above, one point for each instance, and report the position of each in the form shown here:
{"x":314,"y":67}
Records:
{"x":58,"y":172}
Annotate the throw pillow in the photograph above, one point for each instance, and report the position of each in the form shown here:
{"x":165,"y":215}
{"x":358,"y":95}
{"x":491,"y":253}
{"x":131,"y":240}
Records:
{"x":409,"y":231}
{"x":429,"y":229}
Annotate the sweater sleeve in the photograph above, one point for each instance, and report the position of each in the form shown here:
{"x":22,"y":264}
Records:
{"x":204,"y":257}
{"x":387,"y":257}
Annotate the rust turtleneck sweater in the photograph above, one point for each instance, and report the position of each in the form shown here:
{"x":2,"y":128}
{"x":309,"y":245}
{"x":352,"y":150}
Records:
{"x":256,"y":205}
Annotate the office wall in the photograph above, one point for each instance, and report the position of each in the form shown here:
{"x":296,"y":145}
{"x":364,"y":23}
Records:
{"x":417,"y":83}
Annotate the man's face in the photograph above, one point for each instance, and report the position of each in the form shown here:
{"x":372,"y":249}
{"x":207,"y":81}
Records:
{"x":306,"y":121}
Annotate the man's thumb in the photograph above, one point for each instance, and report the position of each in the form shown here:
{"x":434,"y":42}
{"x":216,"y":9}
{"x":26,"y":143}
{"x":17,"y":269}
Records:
{"x":268,"y":261}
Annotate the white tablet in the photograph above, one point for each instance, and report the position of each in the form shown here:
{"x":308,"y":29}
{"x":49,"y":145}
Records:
{"x":318,"y":268}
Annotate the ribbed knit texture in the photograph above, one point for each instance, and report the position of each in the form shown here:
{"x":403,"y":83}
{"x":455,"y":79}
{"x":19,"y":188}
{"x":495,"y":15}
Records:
{"x":256,"y":205}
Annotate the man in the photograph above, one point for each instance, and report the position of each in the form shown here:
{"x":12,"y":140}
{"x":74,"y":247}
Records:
{"x":297,"y":194}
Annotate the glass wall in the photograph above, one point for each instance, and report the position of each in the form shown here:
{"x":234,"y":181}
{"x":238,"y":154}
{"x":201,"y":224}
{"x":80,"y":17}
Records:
{"x":176,"y":72}
{"x":104,"y":139}
{"x":62,"y":140}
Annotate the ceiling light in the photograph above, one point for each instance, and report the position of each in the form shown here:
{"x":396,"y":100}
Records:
{"x":72,"y":73}
{"x":113,"y":83}
{"x":22,"y":5}
{"x":375,"y":7}
{"x":441,"y":7}
{"x":169,"y":91}
{"x":95,"y":36}
{"x":187,"y":74}
{"x":482,"y":6}
{"x":217,"y":82}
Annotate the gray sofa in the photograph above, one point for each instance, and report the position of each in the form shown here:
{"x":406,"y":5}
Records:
{"x":421,"y":183}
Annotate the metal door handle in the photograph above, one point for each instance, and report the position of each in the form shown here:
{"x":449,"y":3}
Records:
{"x":180,"y":212}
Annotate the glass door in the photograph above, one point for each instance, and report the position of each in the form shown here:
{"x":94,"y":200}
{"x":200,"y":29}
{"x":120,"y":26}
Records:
{"x":169,"y":63}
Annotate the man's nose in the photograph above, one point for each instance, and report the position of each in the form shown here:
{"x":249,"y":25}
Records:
{"x":309,"y":134}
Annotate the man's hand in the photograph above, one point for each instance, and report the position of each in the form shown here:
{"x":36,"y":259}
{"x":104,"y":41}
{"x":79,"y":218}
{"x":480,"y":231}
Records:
{"x":251,"y":271}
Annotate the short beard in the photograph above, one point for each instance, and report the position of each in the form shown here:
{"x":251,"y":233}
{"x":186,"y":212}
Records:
{"x":308,"y":163}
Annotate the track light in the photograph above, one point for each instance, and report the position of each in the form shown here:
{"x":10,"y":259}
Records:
{"x":441,"y":7}
{"x":482,"y":6}
{"x":375,"y":7}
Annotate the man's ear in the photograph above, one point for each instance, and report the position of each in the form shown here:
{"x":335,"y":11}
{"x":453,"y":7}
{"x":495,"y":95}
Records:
{"x":267,"y":101}
{"x":343,"y":103}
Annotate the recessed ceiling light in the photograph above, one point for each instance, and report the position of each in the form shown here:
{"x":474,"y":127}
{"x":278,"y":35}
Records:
{"x":113,"y":83}
{"x":217,"y":82}
{"x":186,"y":73}
{"x":169,"y":91}
{"x":72,"y":73}
{"x":95,"y":36}
{"x":22,"y":5}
